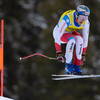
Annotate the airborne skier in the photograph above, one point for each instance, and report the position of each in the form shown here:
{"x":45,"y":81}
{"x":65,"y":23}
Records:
{"x":67,"y":32}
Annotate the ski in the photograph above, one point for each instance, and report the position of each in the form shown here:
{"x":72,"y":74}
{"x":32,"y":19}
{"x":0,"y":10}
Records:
{"x":66,"y":77}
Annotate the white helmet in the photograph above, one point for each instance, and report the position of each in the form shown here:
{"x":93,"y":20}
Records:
{"x":83,"y":10}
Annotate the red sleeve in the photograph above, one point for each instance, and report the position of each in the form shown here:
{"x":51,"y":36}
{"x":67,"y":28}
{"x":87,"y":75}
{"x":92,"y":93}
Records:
{"x":58,"y":48}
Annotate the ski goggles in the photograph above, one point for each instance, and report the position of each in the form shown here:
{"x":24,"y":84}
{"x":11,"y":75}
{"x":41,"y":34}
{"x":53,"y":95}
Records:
{"x":83,"y":13}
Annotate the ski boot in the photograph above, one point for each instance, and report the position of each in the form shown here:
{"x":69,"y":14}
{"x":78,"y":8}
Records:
{"x":69,"y":69}
{"x":72,"y":69}
{"x":77,"y":70}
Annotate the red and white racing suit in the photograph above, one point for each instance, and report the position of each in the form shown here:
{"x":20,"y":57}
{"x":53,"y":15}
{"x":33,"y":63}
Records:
{"x":65,"y":32}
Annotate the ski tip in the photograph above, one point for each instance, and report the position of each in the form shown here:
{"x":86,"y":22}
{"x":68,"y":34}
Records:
{"x":54,"y":79}
{"x":53,"y":75}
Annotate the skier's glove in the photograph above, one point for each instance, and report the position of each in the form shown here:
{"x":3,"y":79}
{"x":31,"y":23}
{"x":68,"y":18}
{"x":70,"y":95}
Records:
{"x":60,"y":57}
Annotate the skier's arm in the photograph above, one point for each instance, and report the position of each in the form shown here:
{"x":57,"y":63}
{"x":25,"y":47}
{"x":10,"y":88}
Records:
{"x":85,"y":34}
{"x":59,"y":31}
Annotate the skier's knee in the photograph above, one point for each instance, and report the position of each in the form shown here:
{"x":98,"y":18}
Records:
{"x":72,"y":40}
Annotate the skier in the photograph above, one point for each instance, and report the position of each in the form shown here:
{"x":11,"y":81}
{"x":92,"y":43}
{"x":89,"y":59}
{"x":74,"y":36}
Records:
{"x":72,"y":30}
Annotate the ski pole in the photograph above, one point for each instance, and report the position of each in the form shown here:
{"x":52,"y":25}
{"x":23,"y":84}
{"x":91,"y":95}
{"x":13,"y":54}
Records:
{"x":37,"y":54}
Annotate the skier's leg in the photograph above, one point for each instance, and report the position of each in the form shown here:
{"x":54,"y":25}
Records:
{"x":69,"y":55}
{"x":78,"y":54}
{"x":69,"y":50}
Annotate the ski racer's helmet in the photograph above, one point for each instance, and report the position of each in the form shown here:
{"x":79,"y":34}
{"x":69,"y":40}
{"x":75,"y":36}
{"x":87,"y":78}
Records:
{"x":83,"y":10}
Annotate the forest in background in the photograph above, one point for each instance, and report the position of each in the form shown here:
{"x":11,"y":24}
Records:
{"x":28,"y":29}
